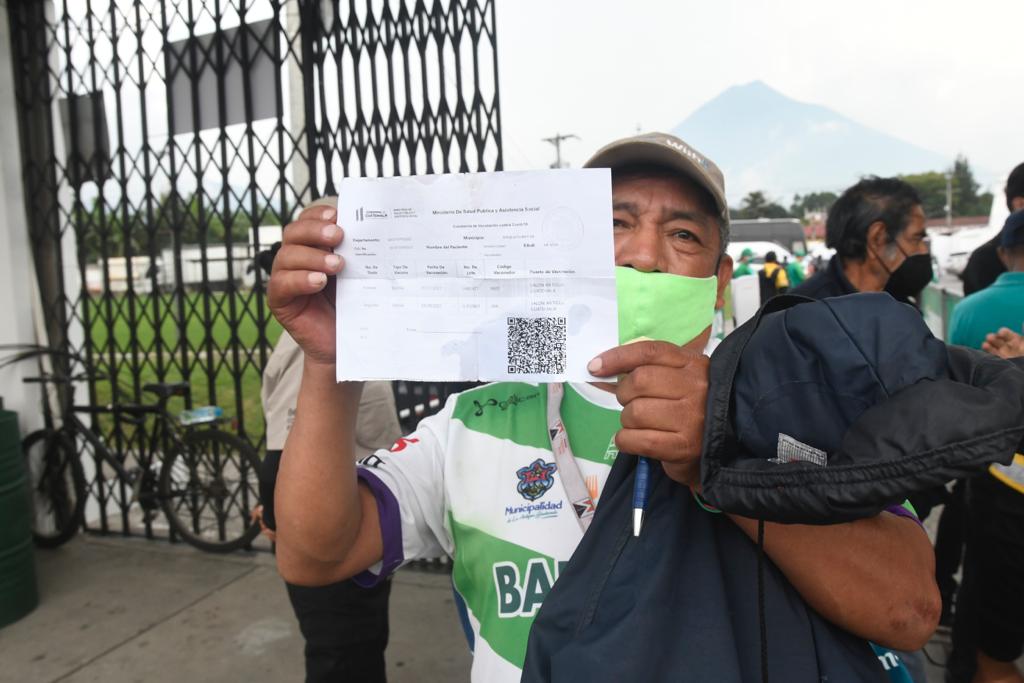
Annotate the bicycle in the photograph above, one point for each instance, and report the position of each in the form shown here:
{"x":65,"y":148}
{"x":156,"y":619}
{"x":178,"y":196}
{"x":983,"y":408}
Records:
{"x":205,"y":480}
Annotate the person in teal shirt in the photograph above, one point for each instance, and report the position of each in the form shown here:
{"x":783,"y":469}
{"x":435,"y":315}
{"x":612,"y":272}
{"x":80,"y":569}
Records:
{"x":795,"y":269}
{"x":1001,"y":304}
{"x":744,"y":266}
{"x":988,"y":627}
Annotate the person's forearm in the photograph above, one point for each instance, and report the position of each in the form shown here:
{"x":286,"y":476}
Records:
{"x":316,"y":499}
{"x":873,"y":577}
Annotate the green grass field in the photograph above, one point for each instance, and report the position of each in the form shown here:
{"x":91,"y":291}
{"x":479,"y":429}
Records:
{"x":213,"y":335}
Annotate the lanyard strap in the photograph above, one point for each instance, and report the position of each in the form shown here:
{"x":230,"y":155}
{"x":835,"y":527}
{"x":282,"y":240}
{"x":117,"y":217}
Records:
{"x":572,"y":479}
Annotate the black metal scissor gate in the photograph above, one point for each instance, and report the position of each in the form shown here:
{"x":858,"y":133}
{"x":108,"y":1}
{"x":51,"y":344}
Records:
{"x":164,"y":141}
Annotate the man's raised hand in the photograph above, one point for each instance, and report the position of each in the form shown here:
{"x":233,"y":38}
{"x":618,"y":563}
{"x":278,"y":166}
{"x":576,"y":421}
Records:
{"x":301,"y":289}
{"x":1005,"y":343}
{"x":663,"y":389}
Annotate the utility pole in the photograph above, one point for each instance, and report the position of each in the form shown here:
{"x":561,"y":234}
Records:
{"x":557,"y":142}
{"x":949,"y":200}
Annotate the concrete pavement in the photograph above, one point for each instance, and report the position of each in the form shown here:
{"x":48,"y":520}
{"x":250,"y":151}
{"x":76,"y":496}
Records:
{"x":127,"y":610}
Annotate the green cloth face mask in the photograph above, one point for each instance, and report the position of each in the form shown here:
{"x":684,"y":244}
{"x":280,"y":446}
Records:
{"x":663,"y":306}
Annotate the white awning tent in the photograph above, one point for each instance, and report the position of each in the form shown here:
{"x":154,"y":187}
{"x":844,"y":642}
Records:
{"x":953,"y":250}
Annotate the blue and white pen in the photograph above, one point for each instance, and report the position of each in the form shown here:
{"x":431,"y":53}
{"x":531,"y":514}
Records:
{"x":641,"y":488}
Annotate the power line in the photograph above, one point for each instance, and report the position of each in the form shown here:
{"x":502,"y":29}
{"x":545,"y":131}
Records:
{"x":557,"y":142}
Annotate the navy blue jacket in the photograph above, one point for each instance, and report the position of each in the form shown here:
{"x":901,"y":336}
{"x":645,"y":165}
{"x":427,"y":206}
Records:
{"x":680,"y":603}
{"x":690,"y":600}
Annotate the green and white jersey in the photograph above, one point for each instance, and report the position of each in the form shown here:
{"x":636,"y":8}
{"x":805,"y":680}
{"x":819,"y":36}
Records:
{"x":478,"y":482}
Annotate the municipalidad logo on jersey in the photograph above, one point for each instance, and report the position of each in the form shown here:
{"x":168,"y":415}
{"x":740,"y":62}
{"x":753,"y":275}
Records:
{"x":535,"y":479}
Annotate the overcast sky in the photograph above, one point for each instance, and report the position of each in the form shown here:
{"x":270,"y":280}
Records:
{"x":947,"y":75}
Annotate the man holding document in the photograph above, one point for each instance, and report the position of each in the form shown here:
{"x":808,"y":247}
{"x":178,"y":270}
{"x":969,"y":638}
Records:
{"x":506,"y":477}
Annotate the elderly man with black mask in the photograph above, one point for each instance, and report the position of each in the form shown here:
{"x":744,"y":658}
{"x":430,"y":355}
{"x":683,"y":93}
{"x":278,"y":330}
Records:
{"x":877,"y":229}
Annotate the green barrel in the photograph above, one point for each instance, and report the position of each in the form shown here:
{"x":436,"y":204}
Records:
{"x":19,"y":594}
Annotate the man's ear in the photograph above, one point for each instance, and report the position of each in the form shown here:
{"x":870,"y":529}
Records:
{"x":1016,"y":204}
{"x":724,"y":277}
{"x":877,"y":239}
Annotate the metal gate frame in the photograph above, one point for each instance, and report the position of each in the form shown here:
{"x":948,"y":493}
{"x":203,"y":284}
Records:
{"x":115,"y":191}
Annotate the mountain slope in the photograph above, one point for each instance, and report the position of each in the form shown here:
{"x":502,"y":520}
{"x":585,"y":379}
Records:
{"x":764,"y":140}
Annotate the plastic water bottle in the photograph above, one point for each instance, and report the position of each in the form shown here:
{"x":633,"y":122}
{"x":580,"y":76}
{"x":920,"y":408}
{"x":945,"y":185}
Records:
{"x":200,"y":415}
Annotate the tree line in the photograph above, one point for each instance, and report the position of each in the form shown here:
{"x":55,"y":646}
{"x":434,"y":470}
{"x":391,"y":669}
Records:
{"x":967,"y":201}
{"x":115,"y":231}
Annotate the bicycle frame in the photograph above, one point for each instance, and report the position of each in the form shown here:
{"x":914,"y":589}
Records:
{"x":74,"y":427}
{"x":164,"y":431}
{"x":147,"y":463}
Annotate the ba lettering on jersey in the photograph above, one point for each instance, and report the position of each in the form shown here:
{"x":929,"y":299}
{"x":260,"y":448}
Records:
{"x":520,"y":592}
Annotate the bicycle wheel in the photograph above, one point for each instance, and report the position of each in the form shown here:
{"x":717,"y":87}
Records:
{"x":57,"y":484}
{"x":208,"y":489}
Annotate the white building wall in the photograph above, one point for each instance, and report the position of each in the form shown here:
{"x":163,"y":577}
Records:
{"x":20,"y":306}
{"x":17,"y":276}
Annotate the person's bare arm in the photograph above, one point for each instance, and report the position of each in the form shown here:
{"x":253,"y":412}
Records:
{"x":327,"y":526}
{"x":1005,"y":343}
{"x":874,"y":577}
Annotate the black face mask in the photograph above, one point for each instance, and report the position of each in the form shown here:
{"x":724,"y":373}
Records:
{"x":912,"y":276}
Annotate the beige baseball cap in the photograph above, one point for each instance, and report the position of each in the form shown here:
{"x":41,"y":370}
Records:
{"x":669,"y":151}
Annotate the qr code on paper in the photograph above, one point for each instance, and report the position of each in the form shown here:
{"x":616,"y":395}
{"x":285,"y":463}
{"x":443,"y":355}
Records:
{"x":536,"y":346}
